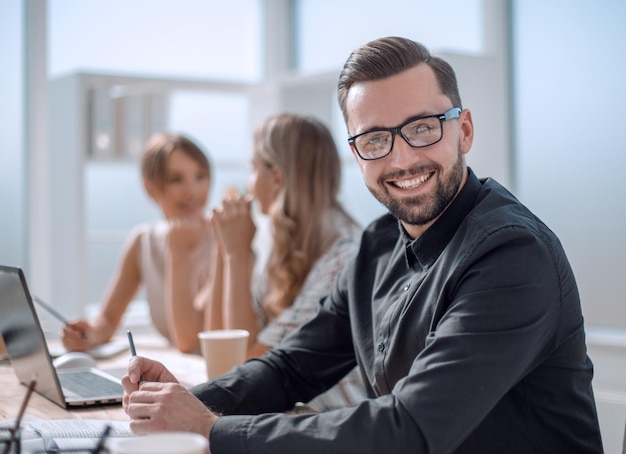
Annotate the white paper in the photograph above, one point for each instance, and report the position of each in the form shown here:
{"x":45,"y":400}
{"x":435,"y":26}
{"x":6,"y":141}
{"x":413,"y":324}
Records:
{"x":78,"y":428}
{"x":74,"y":433}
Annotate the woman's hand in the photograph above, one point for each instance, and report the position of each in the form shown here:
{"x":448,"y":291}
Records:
{"x":78,"y":336}
{"x":185,"y":234}
{"x":233,"y":225}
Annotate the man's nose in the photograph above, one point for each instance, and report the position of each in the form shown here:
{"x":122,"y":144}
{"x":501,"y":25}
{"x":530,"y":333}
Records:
{"x":401,"y":151}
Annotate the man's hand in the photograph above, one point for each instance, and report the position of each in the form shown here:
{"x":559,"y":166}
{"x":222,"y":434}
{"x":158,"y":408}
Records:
{"x":139,"y":369}
{"x":167,"y":407}
{"x":160,"y":403}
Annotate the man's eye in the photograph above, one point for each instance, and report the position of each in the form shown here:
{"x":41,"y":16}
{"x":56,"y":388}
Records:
{"x":420,"y":129}
{"x":377,"y":139}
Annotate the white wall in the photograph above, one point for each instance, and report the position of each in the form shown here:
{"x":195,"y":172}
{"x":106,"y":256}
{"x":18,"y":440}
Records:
{"x":570,"y":92}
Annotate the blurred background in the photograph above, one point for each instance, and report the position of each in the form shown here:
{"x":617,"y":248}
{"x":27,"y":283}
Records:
{"x":84,"y":83}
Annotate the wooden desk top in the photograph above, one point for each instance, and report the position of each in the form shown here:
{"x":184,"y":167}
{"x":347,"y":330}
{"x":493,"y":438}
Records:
{"x":189,"y":369}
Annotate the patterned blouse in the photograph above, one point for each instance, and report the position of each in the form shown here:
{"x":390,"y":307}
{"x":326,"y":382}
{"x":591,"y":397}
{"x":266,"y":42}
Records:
{"x":349,"y":391}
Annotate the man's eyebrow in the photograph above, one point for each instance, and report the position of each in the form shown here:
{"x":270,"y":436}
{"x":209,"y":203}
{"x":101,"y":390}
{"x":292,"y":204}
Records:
{"x":409,"y":118}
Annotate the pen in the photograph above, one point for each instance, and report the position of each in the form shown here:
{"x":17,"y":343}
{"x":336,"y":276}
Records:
{"x":51,"y":310}
{"x":31,"y":388}
{"x":100,"y":446}
{"x":131,"y":343}
{"x":56,"y":314}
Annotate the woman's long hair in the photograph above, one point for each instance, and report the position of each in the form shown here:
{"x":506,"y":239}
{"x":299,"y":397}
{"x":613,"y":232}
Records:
{"x":303,"y":149}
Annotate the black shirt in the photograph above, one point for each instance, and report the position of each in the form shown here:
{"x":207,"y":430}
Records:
{"x":470,"y":339}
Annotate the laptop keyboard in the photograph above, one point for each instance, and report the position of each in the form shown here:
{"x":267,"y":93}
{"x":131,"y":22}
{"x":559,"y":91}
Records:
{"x":87,"y":384}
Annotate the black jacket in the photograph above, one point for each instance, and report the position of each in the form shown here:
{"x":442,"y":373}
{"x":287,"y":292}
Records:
{"x":470,"y":339}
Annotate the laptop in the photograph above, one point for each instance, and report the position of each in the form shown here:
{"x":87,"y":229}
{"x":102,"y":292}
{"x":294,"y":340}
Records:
{"x":28,"y":351}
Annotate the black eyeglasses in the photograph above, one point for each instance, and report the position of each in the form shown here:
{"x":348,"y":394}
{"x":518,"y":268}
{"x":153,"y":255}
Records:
{"x":418,"y":132}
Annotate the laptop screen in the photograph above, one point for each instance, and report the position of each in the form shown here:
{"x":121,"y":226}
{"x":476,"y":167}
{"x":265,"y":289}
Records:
{"x":23,"y":336}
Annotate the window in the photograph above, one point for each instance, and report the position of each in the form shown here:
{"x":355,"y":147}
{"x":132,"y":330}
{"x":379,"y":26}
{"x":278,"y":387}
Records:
{"x":185,"y":38}
{"x":453,"y":25}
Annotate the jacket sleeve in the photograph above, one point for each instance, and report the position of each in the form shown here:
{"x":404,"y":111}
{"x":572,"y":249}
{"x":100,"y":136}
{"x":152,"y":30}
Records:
{"x":305,"y":364}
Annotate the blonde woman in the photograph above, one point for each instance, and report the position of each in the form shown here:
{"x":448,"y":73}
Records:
{"x":172,"y":258}
{"x":295,"y":181}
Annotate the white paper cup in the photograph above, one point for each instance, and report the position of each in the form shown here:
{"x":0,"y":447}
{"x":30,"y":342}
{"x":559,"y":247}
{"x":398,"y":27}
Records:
{"x":223,"y":349}
{"x":161,"y":443}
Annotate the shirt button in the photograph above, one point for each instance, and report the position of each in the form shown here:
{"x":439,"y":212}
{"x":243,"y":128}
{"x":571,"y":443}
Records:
{"x":406,"y":287}
{"x":381,"y":347}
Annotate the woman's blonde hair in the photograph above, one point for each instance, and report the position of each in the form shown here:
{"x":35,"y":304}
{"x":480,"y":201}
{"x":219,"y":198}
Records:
{"x":303,"y":149}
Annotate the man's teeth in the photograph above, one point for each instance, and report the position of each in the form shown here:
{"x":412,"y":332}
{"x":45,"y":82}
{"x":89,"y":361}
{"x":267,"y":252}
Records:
{"x":412,"y":183}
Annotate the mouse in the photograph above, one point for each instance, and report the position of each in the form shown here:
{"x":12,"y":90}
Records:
{"x":74,"y":360}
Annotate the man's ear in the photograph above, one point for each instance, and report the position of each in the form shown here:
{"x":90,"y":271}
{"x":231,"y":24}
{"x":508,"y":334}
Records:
{"x":467,"y":131}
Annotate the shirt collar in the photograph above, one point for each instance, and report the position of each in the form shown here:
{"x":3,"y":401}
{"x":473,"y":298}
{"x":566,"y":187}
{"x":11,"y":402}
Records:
{"x":422,"y":252}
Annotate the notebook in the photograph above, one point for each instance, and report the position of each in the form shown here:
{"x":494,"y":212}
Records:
{"x":28,"y":351}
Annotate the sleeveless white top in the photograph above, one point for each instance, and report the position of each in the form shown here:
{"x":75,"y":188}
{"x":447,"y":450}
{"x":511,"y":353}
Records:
{"x":152,"y":259}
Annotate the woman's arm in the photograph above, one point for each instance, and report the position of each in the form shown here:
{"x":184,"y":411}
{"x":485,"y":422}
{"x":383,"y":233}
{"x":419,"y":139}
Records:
{"x":235,"y":231}
{"x":83,"y":335}
{"x":184,"y":319}
{"x":238,"y":305}
{"x":212,"y":294}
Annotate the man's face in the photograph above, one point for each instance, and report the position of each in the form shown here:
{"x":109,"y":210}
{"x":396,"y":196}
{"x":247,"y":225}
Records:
{"x":415,"y":184}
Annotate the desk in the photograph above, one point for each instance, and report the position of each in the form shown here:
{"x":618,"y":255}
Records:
{"x":189,"y":369}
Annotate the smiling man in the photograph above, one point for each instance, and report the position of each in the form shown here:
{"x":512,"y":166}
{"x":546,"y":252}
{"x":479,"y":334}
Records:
{"x":460,"y":310}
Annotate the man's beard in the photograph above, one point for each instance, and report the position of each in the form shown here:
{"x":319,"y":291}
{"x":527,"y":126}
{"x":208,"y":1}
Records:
{"x":424,"y":208}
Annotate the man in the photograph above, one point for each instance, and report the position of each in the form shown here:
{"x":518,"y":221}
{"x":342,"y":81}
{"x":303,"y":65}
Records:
{"x":460,"y":309}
